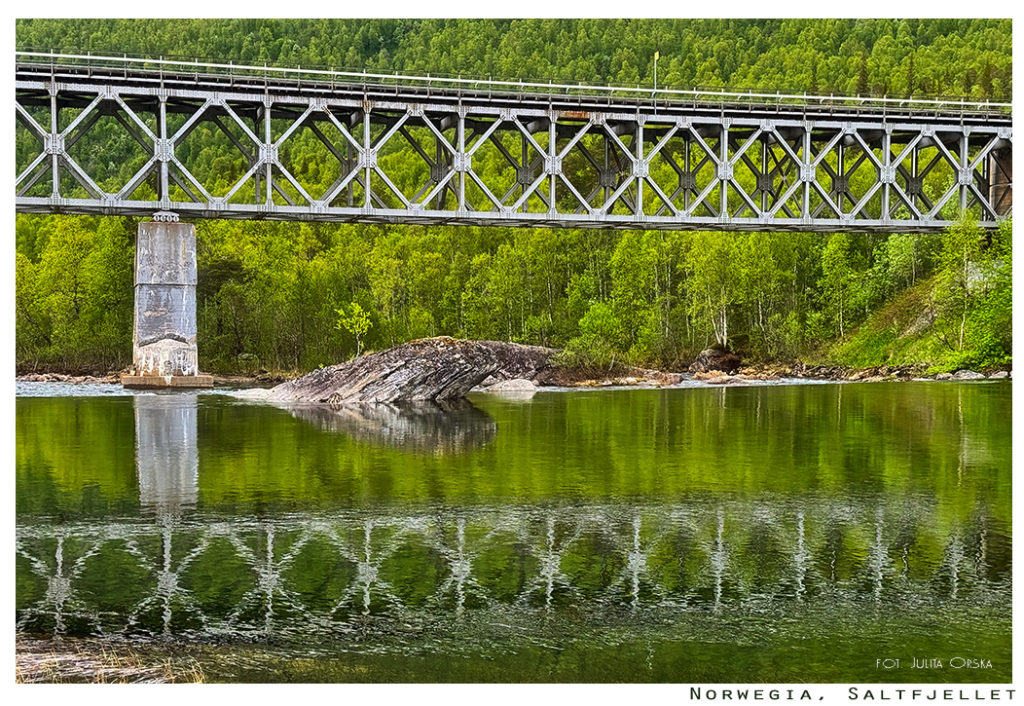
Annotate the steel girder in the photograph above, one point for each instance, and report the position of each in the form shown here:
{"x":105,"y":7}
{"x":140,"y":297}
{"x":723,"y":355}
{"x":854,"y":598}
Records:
{"x":420,"y":157}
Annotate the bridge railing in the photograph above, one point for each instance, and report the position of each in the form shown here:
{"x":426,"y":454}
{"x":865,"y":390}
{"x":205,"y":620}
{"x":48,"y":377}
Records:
{"x":490,"y":85}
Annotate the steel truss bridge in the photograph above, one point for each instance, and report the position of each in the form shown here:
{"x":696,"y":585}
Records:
{"x":420,"y":150}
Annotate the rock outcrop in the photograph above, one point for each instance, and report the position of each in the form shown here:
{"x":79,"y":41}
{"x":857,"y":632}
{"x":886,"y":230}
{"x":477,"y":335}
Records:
{"x":425,"y":370}
{"x":519,"y":362}
{"x":719,"y":359}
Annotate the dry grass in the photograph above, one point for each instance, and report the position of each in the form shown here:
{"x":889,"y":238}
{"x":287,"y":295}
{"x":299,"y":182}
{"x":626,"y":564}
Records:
{"x":63,"y":661}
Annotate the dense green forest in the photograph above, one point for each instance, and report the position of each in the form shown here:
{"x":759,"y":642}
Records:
{"x":894,"y":57}
{"x":288,"y":296}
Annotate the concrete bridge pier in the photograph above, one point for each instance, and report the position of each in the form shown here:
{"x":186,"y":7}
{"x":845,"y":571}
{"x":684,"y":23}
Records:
{"x":164,"y":350}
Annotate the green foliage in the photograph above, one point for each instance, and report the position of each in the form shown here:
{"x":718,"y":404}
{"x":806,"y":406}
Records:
{"x":961,"y":246}
{"x":879,"y":56}
{"x":74,"y":300}
{"x":598,"y":340}
{"x":837,"y":274}
{"x":713,"y":281}
{"x":960,"y":317}
{"x":356,"y":322}
{"x":268,"y":291}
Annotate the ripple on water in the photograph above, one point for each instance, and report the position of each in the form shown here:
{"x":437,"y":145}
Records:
{"x":68,"y":389}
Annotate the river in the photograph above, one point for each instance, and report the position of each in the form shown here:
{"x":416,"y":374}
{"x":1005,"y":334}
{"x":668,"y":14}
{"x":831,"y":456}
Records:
{"x":790,"y":533}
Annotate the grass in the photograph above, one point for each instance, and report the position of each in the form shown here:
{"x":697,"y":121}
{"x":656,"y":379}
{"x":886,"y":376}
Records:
{"x":79,"y":660}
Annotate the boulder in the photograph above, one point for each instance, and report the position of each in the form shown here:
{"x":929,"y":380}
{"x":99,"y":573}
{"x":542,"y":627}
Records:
{"x":715,"y":359}
{"x":944,"y":376}
{"x":518,"y":388}
{"x":999,"y":375}
{"x":967,"y":375}
{"x":425,"y":370}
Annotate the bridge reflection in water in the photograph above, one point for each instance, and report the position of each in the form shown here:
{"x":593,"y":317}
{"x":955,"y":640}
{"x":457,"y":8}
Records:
{"x":308,"y":573}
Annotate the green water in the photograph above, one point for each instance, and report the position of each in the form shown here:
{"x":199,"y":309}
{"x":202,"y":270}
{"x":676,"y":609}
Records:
{"x":767,"y":534}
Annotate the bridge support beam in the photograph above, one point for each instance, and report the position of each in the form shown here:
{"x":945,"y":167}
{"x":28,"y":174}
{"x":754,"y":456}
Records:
{"x":164,"y":350}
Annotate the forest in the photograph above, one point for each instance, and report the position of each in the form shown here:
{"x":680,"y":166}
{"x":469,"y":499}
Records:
{"x":289,"y":297}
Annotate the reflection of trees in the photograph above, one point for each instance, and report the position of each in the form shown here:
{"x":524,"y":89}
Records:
{"x":890,"y":441}
{"x":425,"y":427}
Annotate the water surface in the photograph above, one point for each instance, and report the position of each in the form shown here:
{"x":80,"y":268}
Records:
{"x":777,"y":534}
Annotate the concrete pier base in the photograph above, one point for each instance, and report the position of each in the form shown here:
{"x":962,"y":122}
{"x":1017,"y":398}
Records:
{"x":164,"y":350}
{"x":187,"y":381}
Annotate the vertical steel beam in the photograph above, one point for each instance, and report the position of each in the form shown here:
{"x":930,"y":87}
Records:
{"x":1000,"y":193}
{"x":552,"y":153}
{"x":887,"y":171}
{"x":256,"y":174}
{"x":165,"y":182}
{"x":840,"y":166}
{"x":55,"y":157}
{"x":268,"y":139}
{"x":723,"y":148}
{"x":526,"y":176}
{"x":639,"y":168}
{"x":366,"y":158}
{"x":805,"y":168}
{"x":764,"y":171}
{"x":607,"y":187}
{"x":965,"y":163}
{"x":686,"y":168}
{"x":463,"y":161}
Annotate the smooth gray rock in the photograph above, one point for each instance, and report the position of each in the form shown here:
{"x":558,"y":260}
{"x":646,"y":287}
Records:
{"x":968,"y":375}
{"x":514,"y":389}
{"x":999,"y":375}
{"x":513,"y":385}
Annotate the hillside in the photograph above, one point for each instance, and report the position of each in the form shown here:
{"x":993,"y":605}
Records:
{"x":920,"y":326}
{"x":291,"y":297}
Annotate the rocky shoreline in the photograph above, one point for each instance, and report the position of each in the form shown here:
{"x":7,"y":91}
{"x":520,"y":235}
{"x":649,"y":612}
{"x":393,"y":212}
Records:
{"x":619,"y":377}
{"x":768,"y":372}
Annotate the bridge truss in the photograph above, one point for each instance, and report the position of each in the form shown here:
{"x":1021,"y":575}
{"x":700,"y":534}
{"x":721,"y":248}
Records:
{"x":143,"y":137}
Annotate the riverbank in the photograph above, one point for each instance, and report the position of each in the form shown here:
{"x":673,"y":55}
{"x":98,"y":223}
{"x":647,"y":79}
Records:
{"x":620,"y":376}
